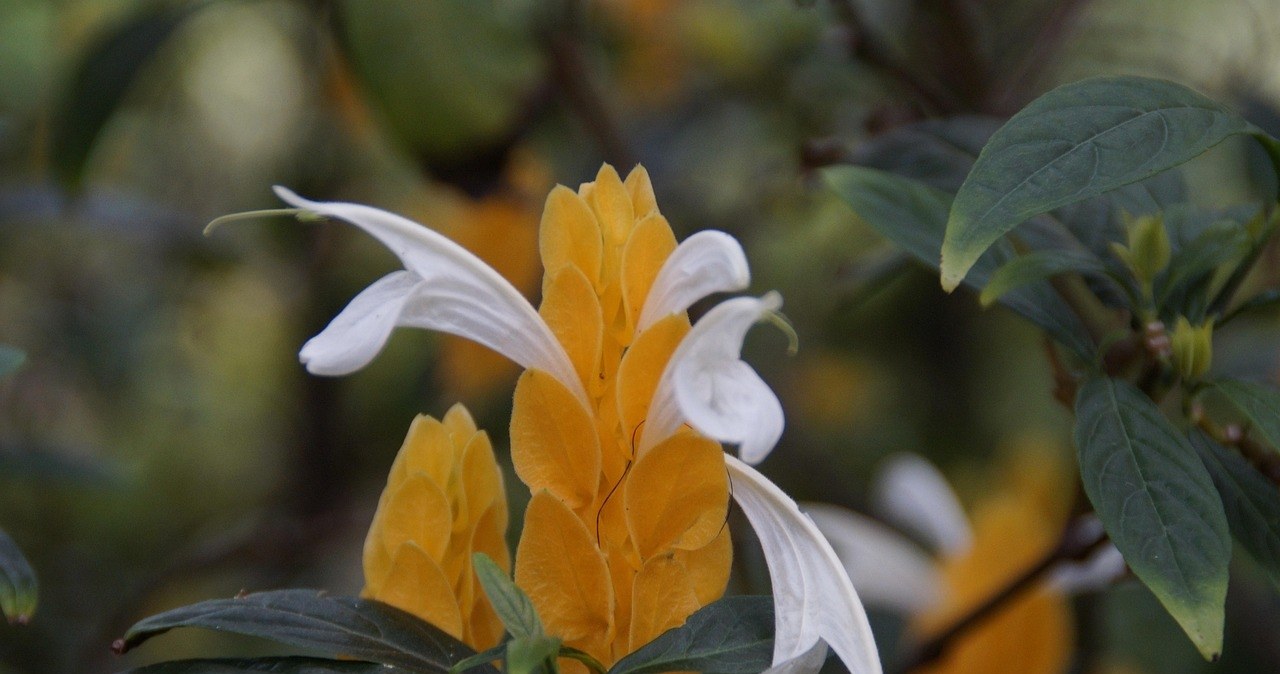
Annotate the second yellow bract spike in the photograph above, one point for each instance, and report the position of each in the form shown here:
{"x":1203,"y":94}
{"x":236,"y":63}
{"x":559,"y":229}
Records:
{"x":444,"y":500}
{"x":617,"y":547}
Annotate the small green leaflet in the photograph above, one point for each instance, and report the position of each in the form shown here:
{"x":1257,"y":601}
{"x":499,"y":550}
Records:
{"x":731,"y":636}
{"x":1251,"y":501}
{"x":18,"y":589}
{"x":1038,"y":266}
{"x":1076,"y":142}
{"x":913,"y":216}
{"x":532,"y":655}
{"x":1158,"y":504}
{"x":286,"y":665}
{"x":1259,"y":402}
{"x":510,"y":602}
{"x":335,"y":626}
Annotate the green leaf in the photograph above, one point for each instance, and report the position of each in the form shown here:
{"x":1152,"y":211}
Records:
{"x":532,"y":655}
{"x":1158,"y":504}
{"x":448,"y":75}
{"x":1251,"y":501}
{"x":1259,"y":402}
{"x":481,"y":658}
{"x":10,"y":360}
{"x":510,"y":602}
{"x":18,"y":588}
{"x":336,"y":626}
{"x":913,"y":216}
{"x":1075,"y":142}
{"x":1038,"y":266}
{"x":936,"y":152}
{"x":103,"y":76}
{"x":731,"y":636}
{"x":285,"y":665}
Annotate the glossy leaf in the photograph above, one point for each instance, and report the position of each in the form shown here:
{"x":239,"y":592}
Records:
{"x":18,"y":588}
{"x":337,"y":626}
{"x":913,"y":216}
{"x":1038,"y":266}
{"x":10,"y":360}
{"x":1251,"y":501}
{"x":510,"y":602}
{"x":1157,"y":503}
{"x":103,"y":76}
{"x":1259,"y":402}
{"x":285,"y":665}
{"x":1078,"y":141}
{"x":731,"y":636}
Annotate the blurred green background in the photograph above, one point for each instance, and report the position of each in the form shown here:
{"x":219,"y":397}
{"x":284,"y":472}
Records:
{"x":162,"y":445}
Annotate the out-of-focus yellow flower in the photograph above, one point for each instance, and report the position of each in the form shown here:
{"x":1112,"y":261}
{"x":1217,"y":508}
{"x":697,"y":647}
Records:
{"x":1012,"y":527}
{"x":444,"y":500}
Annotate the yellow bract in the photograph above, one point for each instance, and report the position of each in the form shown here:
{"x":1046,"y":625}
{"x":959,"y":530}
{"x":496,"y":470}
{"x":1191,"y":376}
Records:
{"x":444,"y":500}
{"x":616,"y":548}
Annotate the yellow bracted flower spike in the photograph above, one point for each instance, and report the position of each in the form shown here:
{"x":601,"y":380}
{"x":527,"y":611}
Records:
{"x":444,"y":500}
{"x":618,"y":545}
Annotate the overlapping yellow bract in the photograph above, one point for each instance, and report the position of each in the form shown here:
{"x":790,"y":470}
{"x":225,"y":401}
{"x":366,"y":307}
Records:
{"x":616,"y":548}
{"x":444,"y":500}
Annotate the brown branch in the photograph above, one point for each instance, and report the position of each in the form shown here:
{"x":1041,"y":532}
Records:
{"x":864,"y":46}
{"x":570,"y":74}
{"x":1079,"y":538}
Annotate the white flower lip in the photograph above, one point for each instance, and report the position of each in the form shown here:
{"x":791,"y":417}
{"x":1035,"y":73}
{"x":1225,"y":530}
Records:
{"x":444,"y":287}
{"x":912,"y":494}
{"x":814,"y":600}
{"x":887,"y":569}
{"x":707,"y":262}
{"x":707,"y":384}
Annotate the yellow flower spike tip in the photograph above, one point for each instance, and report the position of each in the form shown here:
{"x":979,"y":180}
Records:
{"x":444,"y":500}
{"x":616,"y":428}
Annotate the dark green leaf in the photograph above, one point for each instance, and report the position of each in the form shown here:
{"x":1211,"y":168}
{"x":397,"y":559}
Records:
{"x":104,"y":74}
{"x":1259,"y":402}
{"x":913,"y":216}
{"x":1075,"y":142}
{"x":1038,"y":266}
{"x":730,"y":636}
{"x":936,"y":152}
{"x":345,"y":626}
{"x":510,"y":602}
{"x":1188,"y":282}
{"x":10,"y":360}
{"x":1158,"y":504}
{"x":286,"y":665}
{"x":532,"y":655}
{"x":1251,"y":501}
{"x":18,"y":588}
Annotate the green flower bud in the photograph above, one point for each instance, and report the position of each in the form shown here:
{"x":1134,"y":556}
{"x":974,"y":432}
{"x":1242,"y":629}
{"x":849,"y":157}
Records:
{"x":1148,"y":251}
{"x":1192,"y":348}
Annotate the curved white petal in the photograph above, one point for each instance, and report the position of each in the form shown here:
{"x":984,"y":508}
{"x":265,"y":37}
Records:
{"x":808,"y":662}
{"x":357,"y":334}
{"x":887,"y":570}
{"x":813,"y":598}
{"x":911,"y":493}
{"x":705,"y":263}
{"x":458,"y":294}
{"x":707,"y":384}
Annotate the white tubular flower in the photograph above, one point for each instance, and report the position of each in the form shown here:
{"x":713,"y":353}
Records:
{"x":705,"y":263}
{"x":887,"y":570}
{"x":814,"y":601}
{"x":707,"y":384}
{"x":913,"y":495}
{"x":443,"y":287}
